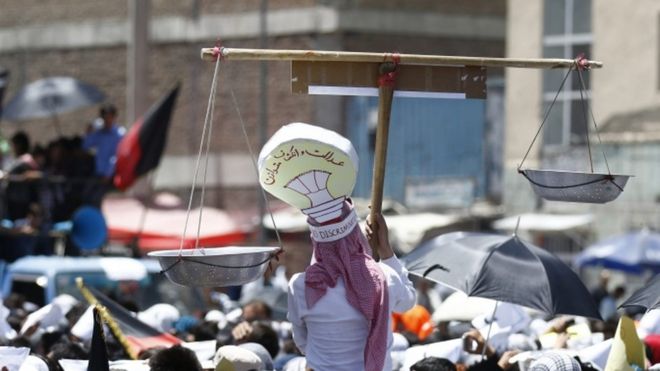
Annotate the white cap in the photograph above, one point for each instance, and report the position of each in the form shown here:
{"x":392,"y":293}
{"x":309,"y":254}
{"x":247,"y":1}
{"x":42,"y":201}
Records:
{"x":262,"y":353}
{"x":216,"y":316}
{"x":84,"y":328}
{"x":160,"y":316}
{"x":65,"y":302}
{"x":233,"y":358}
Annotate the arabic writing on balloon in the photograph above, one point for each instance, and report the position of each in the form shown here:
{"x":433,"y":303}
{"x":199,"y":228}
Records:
{"x":285,"y":156}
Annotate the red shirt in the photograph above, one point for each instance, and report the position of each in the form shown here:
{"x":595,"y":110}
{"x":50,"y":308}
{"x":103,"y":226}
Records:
{"x":653,"y":342}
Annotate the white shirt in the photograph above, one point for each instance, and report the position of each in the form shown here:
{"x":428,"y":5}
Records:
{"x":332,"y":334}
{"x":649,"y":324}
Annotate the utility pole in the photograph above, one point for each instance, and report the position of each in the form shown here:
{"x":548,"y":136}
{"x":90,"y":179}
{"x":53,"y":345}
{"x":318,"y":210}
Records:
{"x":137,"y":71}
{"x":263,"y":106}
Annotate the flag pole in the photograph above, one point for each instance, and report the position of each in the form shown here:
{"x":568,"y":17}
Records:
{"x":211,"y":54}
{"x":107,"y":318}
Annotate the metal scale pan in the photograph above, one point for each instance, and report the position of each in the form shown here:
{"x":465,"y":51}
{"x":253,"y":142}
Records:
{"x":216,"y":266}
{"x":212,"y":266}
{"x":570,"y":186}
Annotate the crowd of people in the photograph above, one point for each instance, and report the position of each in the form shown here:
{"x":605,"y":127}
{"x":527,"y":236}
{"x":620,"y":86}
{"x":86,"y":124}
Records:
{"x":345,"y":312}
{"x":253,"y":337}
{"x":45,"y":184}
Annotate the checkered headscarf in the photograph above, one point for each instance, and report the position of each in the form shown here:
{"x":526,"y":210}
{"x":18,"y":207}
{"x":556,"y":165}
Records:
{"x":555,"y":362}
{"x":349,"y":258}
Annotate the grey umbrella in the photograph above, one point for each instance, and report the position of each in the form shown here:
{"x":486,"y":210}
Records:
{"x":503,"y":268}
{"x":647,"y":297}
{"x":49,"y":97}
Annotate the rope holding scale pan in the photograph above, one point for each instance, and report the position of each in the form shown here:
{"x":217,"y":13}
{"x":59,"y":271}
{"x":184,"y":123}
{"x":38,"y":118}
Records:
{"x":253,"y":158}
{"x":581,"y":63}
{"x":208,"y":122}
{"x":205,"y":144}
{"x":545,"y":117}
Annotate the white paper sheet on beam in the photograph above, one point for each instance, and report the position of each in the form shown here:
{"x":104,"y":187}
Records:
{"x":373,"y":92}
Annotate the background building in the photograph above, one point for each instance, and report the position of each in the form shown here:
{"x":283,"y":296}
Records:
{"x":92,"y":41}
{"x":624,"y":96}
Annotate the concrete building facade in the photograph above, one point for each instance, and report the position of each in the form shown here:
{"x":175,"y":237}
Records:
{"x":624,"y":96}
{"x":88,"y":39}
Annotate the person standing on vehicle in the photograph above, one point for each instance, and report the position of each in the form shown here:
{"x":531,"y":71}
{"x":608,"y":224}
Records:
{"x":102,"y":142}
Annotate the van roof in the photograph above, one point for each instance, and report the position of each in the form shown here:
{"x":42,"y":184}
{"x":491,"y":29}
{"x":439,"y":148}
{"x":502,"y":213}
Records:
{"x":50,"y":265}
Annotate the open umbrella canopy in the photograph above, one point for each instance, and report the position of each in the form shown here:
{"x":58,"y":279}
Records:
{"x":503,"y":268}
{"x":631,"y":253}
{"x":49,"y":97}
{"x":647,"y":297}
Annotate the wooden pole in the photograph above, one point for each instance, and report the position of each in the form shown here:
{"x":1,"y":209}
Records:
{"x":210,"y":54}
{"x":385,"y":96}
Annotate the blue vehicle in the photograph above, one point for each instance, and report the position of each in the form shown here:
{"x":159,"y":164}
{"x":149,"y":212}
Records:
{"x":42,"y":278}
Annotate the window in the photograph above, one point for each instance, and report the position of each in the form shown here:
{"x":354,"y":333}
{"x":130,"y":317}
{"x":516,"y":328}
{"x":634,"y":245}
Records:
{"x":566,"y":34}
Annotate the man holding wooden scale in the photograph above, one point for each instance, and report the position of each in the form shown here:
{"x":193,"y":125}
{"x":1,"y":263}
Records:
{"x":340,"y":307}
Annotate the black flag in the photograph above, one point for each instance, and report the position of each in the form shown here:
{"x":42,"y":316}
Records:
{"x":98,"y":354}
{"x":142,"y":147}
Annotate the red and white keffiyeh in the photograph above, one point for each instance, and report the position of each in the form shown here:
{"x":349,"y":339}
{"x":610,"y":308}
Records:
{"x":341,"y":250}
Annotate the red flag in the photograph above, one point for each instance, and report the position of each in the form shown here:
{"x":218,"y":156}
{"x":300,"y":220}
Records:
{"x":142,"y":147}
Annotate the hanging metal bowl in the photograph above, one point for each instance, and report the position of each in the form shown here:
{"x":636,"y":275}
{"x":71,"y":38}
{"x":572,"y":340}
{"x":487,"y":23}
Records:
{"x":569,"y":186}
{"x":216,"y":266}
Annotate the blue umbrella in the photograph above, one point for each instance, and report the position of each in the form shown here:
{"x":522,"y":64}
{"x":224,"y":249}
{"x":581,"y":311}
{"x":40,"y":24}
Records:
{"x":632,"y":253}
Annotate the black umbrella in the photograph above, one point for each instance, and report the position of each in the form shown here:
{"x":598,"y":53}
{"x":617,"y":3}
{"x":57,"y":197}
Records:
{"x":647,"y":297}
{"x":503,"y":268}
{"x":49,"y":97}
